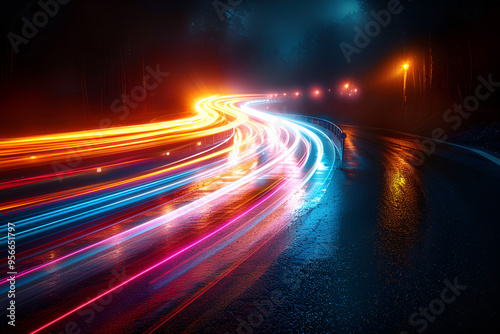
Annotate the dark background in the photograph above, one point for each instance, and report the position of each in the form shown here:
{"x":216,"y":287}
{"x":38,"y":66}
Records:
{"x":92,"y":51}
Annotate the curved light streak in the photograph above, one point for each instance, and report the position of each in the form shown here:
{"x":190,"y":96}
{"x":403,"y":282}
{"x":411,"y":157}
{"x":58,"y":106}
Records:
{"x":259,"y":146}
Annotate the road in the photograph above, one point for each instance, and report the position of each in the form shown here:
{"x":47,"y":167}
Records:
{"x":381,"y":244}
{"x":255,"y":232}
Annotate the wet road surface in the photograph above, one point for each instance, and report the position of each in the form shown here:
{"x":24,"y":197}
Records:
{"x":382,"y":245}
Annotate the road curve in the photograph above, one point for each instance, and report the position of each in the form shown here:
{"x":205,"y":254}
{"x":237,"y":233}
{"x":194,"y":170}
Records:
{"x":154,"y":216}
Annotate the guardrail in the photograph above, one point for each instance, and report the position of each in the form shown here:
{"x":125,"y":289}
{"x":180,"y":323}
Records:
{"x":216,"y":138}
{"x":201,"y":143}
{"x":336,"y":134}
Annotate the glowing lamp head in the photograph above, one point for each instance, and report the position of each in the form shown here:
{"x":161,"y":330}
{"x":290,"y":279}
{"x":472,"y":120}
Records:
{"x":297,"y":94}
{"x":405,"y":66}
{"x":317,"y":92}
{"x":346,"y":85}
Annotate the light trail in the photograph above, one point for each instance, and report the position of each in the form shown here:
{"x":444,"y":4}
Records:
{"x":238,"y":164}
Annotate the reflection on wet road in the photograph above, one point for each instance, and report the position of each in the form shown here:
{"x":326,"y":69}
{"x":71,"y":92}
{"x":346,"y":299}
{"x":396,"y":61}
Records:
{"x":402,"y":203}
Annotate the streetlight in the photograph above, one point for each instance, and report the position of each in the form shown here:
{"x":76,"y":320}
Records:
{"x":347,"y":93}
{"x":405,"y":67}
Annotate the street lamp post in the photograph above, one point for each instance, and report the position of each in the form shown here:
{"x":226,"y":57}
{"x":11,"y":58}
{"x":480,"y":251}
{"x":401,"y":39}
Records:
{"x":346,"y":92}
{"x":405,"y":67}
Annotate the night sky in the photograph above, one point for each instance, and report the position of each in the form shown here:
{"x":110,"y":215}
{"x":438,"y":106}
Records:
{"x":275,"y":24}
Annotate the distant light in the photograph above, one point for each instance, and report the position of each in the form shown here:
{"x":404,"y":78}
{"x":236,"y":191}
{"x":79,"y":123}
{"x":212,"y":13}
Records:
{"x":199,"y":143}
{"x":317,"y":92}
{"x":349,"y":94}
{"x":329,"y":90}
{"x":99,"y":170}
{"x":276,"y":95}
{"x":284,"y":94}
{"x":356,"y":90}
{"x":168,"y":153}
{"x":297,"y":94}
{"x":33,"y":157}
{"x":346,"y":85}
{"x":405,"y":66}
